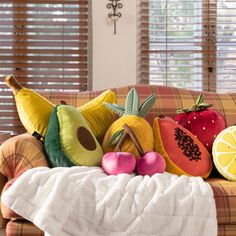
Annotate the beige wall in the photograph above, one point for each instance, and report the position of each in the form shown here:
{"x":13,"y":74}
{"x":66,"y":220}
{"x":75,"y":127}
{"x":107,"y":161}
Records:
{"x":114,"y":56}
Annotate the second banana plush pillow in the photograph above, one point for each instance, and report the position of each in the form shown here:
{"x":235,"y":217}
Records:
{"x":69,"y":140}
{"x":34,"y":110}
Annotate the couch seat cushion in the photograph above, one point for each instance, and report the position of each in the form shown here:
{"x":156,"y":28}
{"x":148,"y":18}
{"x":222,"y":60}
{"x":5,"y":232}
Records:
{"x":8,"y":213}
{"x":225,"y":197}
{"x":22,"y":228}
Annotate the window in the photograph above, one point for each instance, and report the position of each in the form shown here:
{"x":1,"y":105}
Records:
{"x":189,"y":43}
{"x":44,"y":44}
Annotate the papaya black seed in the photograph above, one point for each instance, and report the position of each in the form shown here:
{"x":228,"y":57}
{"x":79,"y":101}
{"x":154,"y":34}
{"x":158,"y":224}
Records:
{"x":187,"y":145}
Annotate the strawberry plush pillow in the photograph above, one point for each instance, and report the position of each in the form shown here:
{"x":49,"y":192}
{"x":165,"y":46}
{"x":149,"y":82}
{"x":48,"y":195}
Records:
{"x":203,"y":122}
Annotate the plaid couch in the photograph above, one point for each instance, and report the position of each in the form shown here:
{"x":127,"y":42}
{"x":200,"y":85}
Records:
{"x":168,"y":100}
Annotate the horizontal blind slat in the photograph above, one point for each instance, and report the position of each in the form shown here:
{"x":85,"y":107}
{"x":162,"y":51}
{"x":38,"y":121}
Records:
{"x":45,"y":45}
{"x":181,"y":40}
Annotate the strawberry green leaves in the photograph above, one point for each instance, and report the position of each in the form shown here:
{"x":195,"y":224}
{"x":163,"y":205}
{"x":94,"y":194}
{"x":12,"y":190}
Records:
{"x":199,"y":105}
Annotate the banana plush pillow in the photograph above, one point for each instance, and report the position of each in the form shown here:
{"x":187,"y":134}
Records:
{"x":98,"y":116}
{"x":34,"y":110}
{"x":69,"y":141}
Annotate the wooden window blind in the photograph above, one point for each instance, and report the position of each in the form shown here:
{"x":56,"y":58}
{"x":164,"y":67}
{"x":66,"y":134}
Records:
{"x":187,"y":43}
{"x":44,"y":44}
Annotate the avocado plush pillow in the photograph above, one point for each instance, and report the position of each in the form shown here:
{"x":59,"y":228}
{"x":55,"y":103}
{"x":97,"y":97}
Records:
{"x":69,"y":141}
{"x":183,"y":152}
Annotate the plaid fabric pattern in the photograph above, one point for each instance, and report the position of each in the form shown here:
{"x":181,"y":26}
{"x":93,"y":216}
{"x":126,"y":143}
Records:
{"x":226,"y":230}
{"x":3,"y":181}
{"x":169,"y":99}
{"x":25,"y":228}
{"x":19,"y":154}
{"x":225,"y":198}
{"x":22,"y":228}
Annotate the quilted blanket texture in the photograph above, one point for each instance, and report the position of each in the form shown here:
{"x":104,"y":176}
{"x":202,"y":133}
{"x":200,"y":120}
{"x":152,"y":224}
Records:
{"x":84,"y":201}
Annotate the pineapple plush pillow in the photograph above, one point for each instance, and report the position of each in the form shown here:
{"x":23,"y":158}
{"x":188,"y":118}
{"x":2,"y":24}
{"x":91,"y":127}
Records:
{"x":132,"y":115}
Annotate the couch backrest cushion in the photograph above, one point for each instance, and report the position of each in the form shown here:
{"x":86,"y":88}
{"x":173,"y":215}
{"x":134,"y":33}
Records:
{"x":168,"y":99}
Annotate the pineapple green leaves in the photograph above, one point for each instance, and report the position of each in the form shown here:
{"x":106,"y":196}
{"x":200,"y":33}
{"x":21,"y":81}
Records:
{"x":132,"y":106}
{"x":147,"y":105}
{"x":119,"y":110}
{"x":132,"y":103}
{"x":198,"y":106}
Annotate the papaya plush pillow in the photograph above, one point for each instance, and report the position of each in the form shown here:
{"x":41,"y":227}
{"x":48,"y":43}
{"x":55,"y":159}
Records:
{"x":69,"y":140}
{"x":183,"y":152}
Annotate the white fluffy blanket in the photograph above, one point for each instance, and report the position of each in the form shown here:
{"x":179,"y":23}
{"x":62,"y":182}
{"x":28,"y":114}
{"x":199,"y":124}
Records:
{"x":84,"y":201}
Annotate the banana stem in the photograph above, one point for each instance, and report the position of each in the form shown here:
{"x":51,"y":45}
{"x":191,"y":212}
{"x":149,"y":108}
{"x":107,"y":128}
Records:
{"x":132,"y":135}
{"x":13,"y":84}
{"x":62,"y":102}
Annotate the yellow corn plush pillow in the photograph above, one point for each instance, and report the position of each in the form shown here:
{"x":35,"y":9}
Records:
{"x":98,"y":116}
{"x":34,"y":111}
{"x":69,"y":140}
{"x":223,"y":151}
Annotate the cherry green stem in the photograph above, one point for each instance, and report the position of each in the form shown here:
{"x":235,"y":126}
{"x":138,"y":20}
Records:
{"x":121,"y":142}
{"x":132,"y":135}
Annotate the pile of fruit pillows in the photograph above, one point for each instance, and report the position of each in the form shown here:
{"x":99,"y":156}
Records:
{"x":92,"y":135}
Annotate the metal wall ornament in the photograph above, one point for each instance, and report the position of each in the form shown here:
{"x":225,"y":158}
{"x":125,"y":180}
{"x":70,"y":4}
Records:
{"x":114,"y":5}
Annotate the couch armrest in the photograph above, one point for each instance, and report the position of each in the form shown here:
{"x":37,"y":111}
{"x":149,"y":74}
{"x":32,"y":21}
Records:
{"x":3,"y":180}
{"x":19,"y":154}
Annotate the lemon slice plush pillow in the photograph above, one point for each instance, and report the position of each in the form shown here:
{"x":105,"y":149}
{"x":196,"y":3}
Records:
{"x":69,"y":140}
{"x":224,"y":153}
